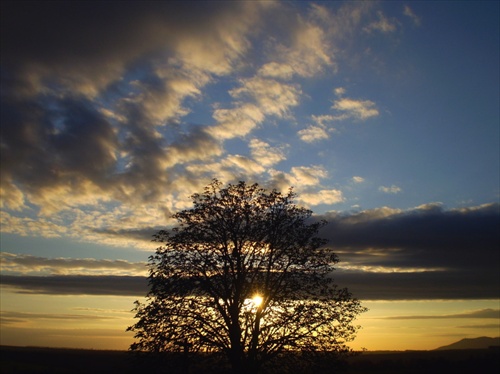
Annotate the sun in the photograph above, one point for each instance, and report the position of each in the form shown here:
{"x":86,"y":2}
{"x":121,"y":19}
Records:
{"x":257,"y":300}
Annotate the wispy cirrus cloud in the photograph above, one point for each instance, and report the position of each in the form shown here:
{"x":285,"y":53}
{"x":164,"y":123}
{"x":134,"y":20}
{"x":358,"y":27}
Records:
{"x":482,"y":314}
{"x":391,"y":189}
{"x":9,"y":317}
{"x":383,"y":24}
{"x":407,"y":11}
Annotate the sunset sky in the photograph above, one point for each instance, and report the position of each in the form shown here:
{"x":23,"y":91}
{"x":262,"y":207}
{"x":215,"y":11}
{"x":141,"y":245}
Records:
{"x":383,"y":116}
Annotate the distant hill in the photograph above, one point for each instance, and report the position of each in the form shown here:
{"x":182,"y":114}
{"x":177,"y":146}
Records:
{"x":475,"y":343}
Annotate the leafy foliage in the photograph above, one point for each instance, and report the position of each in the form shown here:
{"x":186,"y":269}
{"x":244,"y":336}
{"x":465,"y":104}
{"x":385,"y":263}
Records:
{"x":235,"y":243}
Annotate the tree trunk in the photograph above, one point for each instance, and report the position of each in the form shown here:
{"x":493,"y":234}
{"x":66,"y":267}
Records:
{"x":236,"y":355}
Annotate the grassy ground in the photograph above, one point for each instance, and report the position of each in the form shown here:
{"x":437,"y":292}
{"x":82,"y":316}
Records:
{"x":60,"y":361}
{"x":472,"y":361}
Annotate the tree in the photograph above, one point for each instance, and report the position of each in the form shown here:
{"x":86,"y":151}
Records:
{"x":244,"y":274}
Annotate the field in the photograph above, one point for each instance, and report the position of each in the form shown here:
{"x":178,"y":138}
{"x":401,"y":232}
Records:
{"x":58,"y":361}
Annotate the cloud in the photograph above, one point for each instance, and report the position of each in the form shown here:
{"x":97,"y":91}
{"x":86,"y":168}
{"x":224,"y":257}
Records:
{"x":33,"y":265}
{"x":403,"y":236}
{"x":236,"y":122}
{"x":358,"y":179}
{"x":323,"y":120}
{"x":11,"y":197}
{"x":276,"y":70}
{"x":382,"y":25}
{"x":482,"y":326}
{"x":385,"y":254}
{"x":339,"y":91}
{"x":409,"y":13}
{"x":434,"y":285}
{"x":98,"y":145}
{"x":483,"y":313}
{"x":16,"y":317}
{"x":264,"y":153}
{"x":82,"y":119}
{"x":346,"y":108}
{"x":65,"y":45}
{"x":453,"y":252}
{"x":312,"y":134}
{"x":95,"y":114}
{"x":356,"y":109}
{"x":305,"y":48}
{"x":300,"y":177}
{"x":322,"y":197}
{"x":321,"y":129}
{"x":271,"y":97}
{"x":78,"y":285}
{"x":238,"y":167}
{"x":117,"y":226}
{"x":392,"y":189}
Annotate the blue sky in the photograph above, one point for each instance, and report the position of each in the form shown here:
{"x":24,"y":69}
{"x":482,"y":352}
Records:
{"x":384,"y":117}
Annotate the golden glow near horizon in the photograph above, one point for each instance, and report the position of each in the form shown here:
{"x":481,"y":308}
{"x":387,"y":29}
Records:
{"x":99,"y":322}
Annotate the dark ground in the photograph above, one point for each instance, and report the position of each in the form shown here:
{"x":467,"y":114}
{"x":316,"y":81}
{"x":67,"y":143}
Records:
{"x":75,"y":361}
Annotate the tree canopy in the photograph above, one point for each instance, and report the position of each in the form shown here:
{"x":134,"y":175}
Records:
{"x":244,"y":273}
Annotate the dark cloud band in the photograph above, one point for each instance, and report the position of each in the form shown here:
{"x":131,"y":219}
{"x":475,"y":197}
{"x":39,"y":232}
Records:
{"x":365,"y":286}
{"x":78,"y":285}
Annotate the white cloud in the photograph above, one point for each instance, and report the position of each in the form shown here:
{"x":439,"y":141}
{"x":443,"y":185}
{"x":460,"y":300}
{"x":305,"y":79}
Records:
{"x":308,"y":175}
{"x":25,"y":226}
{"x":392,"y":189}
{"x":332,"y":196}
{"x":236,"y":122}
{"x":250,"y":167}
{"x":270,"y":96}
{"x":257,"y":98}
{"x":11,"y":197}
{"x":310,"y":51}
{"x":300,"y":177}
{"x":276,"y":70}
{"x":339,"y":91}
{"x":323,"y":120}
{"x":357,"y":179}
{"x":264,"y":153}
{"x":312,"y":134}
{"x":320,"y":130}
{"x":358,"y":109}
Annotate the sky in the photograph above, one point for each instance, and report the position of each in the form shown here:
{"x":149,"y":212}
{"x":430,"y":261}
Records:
{"x":383,"y":117}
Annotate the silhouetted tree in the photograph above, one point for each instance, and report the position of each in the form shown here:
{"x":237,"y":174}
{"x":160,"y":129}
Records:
{"x":243,"y":273}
